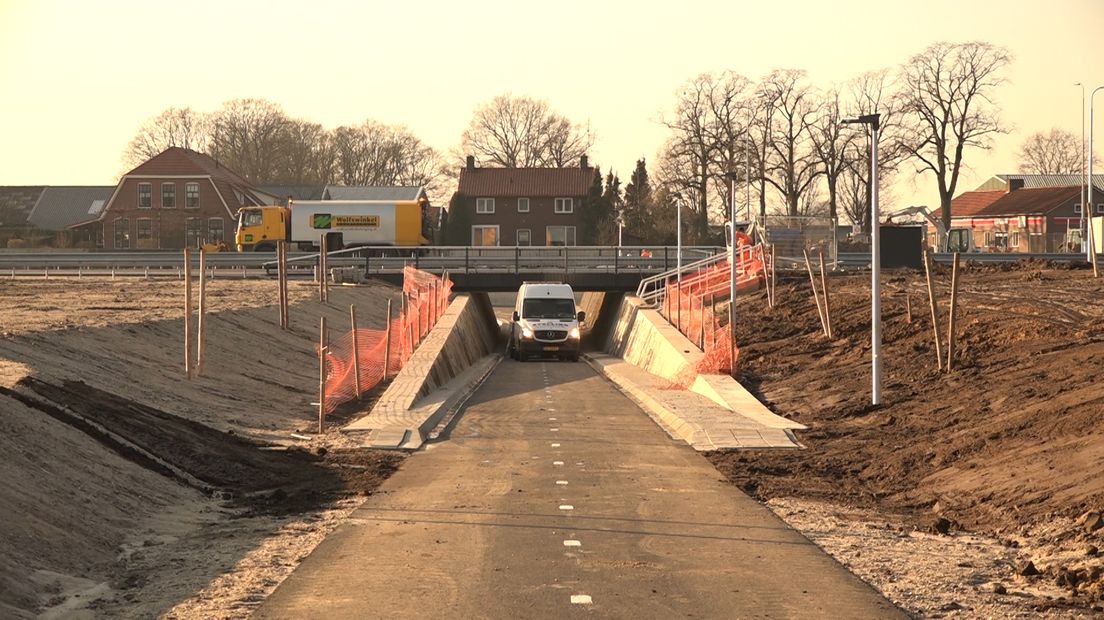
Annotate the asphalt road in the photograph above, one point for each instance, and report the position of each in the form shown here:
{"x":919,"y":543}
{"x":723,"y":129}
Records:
{"x":554,"y":496}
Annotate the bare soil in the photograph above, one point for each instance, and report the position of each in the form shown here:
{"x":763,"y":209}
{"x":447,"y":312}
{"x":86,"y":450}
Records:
{"x":130,"y":491}
{"x":1009,"y":444}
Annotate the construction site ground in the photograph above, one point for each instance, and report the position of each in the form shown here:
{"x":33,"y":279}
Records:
{"x":941,"y":495}
{"x":129,"y":491}
{"x":1005,"y":453}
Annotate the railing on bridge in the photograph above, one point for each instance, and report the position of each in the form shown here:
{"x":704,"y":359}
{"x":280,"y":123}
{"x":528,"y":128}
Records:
{"x":516,"y":260}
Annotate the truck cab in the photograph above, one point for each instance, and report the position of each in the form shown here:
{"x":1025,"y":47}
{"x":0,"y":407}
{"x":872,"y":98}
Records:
{"x":259,"y":228}
{"x":545,"y":322}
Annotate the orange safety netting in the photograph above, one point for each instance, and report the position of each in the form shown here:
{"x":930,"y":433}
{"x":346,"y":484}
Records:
{"x":698,"y":305}
{"x":425,"y":298}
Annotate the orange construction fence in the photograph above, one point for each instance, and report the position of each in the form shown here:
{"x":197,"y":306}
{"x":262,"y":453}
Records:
{"x":698,"y":305}
{"x":424,"y":299}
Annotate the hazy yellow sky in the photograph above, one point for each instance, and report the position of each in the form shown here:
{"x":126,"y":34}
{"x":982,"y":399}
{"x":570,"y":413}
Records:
{"x":79,"y":76}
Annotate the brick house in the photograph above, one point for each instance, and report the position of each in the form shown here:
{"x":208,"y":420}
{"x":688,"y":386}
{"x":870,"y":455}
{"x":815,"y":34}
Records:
{"x":523,"y":206}
{"x":1022,"y":219}
{"x":179,"y":198}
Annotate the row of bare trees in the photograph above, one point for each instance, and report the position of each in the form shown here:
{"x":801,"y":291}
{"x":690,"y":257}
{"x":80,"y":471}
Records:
{"x":784,"y":137}
{"x":256,"y":139}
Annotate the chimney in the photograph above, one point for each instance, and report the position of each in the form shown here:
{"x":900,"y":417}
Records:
{"x":583,"y":162}
{"x":1015,"y":184}
{"x":471,"y":162}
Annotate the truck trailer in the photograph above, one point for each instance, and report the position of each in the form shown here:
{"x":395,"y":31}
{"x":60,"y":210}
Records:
{"x":344,"y":223}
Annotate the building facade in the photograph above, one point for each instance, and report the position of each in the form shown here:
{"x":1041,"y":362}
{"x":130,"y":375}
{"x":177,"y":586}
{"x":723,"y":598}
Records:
{"x":522,"y":206}
{"x":179,"y":198}
{"x":1023,"y":219}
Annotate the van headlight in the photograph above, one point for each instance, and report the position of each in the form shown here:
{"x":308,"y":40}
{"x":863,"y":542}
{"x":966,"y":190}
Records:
{"x":574,"y":333}
{"x":526,"y":332}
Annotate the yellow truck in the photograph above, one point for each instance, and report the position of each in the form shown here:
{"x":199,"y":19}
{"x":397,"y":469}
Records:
{"x":344,"y":223}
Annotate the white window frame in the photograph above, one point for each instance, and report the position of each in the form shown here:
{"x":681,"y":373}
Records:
{"x":163,"y":186}
{"x":126,"y":233}
{"x":1077,"y":207}
{"x":187,"y":186}
{"x":484,"y":206}
{"x":138,"y":229}
{"x":199,"y":239}
{"x":568,"y":205}
{"x":528,"y":237}
{"x":573,"y":237}
{"x":482,"y":227}
{"x":526,"y":209}
{"x":150,"y":186}
{"x":222,"y":226}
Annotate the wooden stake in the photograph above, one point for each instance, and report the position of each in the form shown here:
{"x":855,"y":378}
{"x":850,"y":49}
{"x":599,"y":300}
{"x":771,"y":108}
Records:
{"x":934,"y":310}
{"x":387,"y":342}
{"x":908,"y":307}
{"x":202,"y":311}
{"x":773,"y":287}
{"x":321,"y":374}
{"x":356,"y":350}
{"x":188,"y":313}
{"x":827,"y":304}
{"x":816,"y":295}
{"x":701,"y":323}
{"x":951,"y":320}
{"x":322,"y":251}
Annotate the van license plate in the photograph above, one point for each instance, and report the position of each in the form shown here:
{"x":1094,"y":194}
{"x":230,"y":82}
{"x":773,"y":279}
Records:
{"x":551,"y":348}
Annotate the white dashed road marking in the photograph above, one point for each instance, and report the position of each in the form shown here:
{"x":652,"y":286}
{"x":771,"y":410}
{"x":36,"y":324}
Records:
{"x":581,"y":599}
{"x":557,"y":462}
{"x":561,"y":482}
{"x":567,"y":507}
{"x":555,"y":445}
{"x":572,"y":543}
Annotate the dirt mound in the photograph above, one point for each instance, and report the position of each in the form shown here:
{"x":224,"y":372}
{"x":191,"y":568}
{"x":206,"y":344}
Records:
{"x":1011,"y":439}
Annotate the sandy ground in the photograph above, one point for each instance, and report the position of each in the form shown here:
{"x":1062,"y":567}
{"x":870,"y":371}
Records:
{"x":129,"y":491}
{"x":1008,"y":447}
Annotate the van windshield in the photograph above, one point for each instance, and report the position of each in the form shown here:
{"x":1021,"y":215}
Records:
{"x":548,"y":308}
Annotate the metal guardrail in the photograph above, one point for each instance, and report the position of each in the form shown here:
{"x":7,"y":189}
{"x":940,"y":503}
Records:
{"x":389,"y":259}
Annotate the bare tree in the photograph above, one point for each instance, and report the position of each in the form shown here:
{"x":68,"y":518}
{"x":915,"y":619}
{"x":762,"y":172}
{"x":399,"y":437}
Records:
{"x":873,"y":93}
{"x":376,"y":154}
{"x":792,"y":164}
{"x":521,"y":132}
{"x":832,"y":144}
{"x":1059,"y":152}
{"x":247,"y":137}
{"x":947,"y":106}
{"x":306,"y":155}
{"x":687,"y":157}
{"x":181,"y":127}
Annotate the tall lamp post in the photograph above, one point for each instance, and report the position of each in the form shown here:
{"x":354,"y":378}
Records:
{"x":678,"y":238}
{"x":1083,"y":183}
{"x":732,"y":270}
{"x":874,"y":120}
{"x":1092,"y":245}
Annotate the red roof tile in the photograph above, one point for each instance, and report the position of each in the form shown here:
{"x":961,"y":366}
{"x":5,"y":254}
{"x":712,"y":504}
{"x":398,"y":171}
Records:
{"x":176,"y":160}
{"x":1029,"y":201}
{"x":531,"y":182}
{"x":969,"y":203}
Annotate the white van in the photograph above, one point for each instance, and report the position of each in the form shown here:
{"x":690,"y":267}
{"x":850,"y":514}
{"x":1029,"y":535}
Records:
{"x":545,"y":323}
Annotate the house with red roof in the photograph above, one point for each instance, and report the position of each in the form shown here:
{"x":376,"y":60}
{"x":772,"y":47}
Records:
{"x":521,"y":206}
{"x":176,"y":199}
{"x":1022,"y":219}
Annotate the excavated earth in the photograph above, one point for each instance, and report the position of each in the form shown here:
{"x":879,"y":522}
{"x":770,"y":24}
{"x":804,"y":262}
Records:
{"x":1009,"y":444}
{"x":131,"y":491}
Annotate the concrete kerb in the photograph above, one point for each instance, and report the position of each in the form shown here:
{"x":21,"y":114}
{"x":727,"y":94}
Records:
{"x":656,"y":350}
{"x":450,"y":362}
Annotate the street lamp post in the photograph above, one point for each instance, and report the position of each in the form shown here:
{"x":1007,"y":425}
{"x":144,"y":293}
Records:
{"x":1092,"y":245}
{"x":1083,"y":188}
{"x":874,"y":120}
{"x":732,"y":271}
{"x":678,"y":239}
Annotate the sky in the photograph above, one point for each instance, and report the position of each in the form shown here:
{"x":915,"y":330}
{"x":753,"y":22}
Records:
{"x":80,"y":77}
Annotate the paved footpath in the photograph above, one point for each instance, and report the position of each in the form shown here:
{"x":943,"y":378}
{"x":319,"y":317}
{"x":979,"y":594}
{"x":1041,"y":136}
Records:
{"x":556,"y":497}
